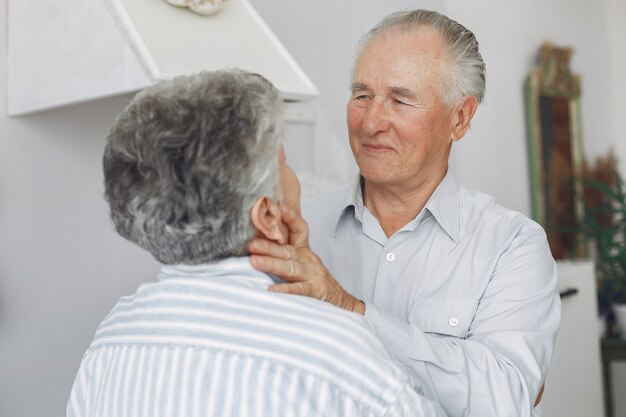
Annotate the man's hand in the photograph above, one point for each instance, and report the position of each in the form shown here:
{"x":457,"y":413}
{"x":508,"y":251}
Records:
{"x":297,"y":264}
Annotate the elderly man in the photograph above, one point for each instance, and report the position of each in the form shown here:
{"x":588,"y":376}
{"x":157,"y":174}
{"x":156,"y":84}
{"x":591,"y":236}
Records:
{"x":193,"y":170}
{"x":462,"y":291}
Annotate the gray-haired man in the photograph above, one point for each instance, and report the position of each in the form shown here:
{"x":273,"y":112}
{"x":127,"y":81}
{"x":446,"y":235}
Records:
{"x":193,"y":170}
{"x":462,"y":291}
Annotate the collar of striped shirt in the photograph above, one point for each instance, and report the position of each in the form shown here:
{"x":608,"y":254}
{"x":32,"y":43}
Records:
{"x":236,"y":269}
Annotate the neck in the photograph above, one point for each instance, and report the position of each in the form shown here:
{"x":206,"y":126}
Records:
{"x":396,"y":205}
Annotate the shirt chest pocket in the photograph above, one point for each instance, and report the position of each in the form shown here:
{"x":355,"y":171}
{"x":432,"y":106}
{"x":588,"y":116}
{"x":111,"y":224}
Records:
{"x":446,"y":316}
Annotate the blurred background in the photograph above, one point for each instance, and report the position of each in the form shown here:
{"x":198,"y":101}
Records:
{"x":62,"y":267}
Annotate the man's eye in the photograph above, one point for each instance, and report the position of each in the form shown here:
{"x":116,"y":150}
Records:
{"x":396,"y":101}
{"x":361,"y":97}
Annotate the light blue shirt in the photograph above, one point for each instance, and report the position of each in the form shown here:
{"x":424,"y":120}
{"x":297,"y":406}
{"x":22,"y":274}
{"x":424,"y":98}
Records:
{"x":464,"y":296}
{"x":210,"y":340}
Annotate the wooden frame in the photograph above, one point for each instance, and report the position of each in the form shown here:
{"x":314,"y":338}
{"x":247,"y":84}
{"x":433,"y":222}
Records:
{"x":555,"y":150}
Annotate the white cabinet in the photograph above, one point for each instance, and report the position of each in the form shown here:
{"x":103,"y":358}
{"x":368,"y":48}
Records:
{"x":574,"y":384}
{"x":66,"y":51}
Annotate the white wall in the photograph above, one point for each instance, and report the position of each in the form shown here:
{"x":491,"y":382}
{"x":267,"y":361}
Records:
{"x":493,"y":156}
{"x":616,"y":33}
{"x":616,"y":16}
{"x":61,"y":265}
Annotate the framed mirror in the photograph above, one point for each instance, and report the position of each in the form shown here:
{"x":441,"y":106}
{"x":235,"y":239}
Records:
{"x":555,"y":149}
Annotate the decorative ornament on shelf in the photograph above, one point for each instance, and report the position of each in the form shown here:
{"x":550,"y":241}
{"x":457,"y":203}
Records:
{"x":203,"y":7}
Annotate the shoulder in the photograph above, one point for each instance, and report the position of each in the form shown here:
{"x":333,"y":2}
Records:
{"x":490,"y":231}
{"x":480,"y":212}
{"x":348,"y":331}
{"x":343,"y":350}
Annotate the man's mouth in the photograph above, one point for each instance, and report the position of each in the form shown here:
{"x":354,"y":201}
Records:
{"x":376,"y":148}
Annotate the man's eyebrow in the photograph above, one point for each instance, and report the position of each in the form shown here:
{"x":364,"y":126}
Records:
{"x":358,"y":87}
{"x":402,"y":92}
{"x":398,"y":91}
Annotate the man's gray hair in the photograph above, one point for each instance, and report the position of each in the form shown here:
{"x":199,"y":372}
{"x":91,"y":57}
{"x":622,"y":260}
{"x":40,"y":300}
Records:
{"x":466,"y":70}
{"x":186,"y":160}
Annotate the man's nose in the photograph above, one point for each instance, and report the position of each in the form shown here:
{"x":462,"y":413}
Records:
{"x":376,"y":117}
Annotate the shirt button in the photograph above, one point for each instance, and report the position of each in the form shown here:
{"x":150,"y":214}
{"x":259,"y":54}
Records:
{"x":391,"y":257}
{"x":453,"y":321}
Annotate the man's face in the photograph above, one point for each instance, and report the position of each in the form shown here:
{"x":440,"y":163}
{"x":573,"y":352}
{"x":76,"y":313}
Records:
{"x":399,"y":128}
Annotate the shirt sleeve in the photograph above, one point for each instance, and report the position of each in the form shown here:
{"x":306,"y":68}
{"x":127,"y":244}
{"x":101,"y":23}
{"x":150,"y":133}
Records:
{"x":78,"y":403}
{"x":499,"y":367}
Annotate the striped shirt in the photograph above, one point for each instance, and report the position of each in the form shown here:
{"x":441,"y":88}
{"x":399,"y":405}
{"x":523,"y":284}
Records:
{"x":210,"y":340}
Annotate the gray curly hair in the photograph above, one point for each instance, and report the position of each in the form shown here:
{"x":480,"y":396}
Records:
{"x":186,"y":160}
{"x":466,"y":73}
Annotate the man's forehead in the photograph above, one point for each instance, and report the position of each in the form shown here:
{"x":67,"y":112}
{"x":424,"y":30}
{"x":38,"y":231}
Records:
{"x":398,"y":61}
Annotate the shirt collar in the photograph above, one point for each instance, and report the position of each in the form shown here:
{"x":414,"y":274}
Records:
{"x":352,"y":199}
{"x":443,"y":204}
{"x":235,"y":268}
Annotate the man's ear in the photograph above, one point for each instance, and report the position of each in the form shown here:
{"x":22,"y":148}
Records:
{"x":266,"y":218}
{"x":463,"y":116}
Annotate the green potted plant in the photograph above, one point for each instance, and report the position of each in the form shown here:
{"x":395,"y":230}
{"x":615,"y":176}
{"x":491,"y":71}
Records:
{"x":604,"y":224}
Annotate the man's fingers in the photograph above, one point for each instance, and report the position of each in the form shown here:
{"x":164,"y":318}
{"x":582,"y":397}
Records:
{"x":298,"y":228}
{"x":272,"y":249}
{"x":295,"y":288}
{"x":287,"y":269}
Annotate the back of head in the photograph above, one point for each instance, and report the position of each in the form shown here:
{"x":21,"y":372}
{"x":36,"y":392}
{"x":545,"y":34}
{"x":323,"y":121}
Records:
{"x":186,"y":160}
{"x":466,"y":74}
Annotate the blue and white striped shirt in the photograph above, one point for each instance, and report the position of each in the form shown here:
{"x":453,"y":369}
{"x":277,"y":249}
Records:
{"x":210,"y":340}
